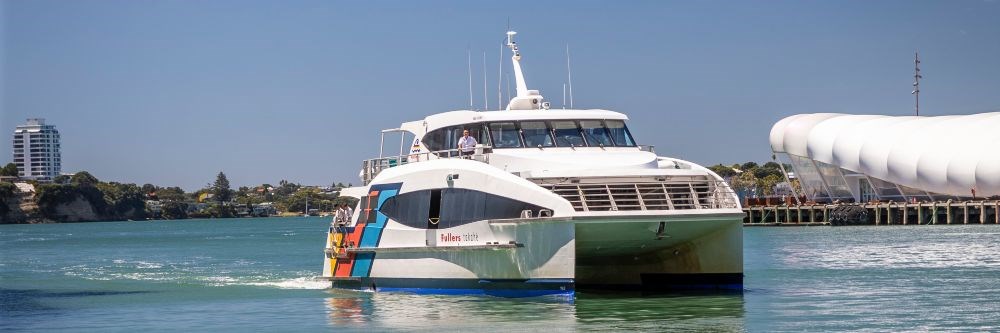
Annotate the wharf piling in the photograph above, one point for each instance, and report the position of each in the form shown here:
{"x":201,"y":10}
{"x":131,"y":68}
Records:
{"x":883,"y":213}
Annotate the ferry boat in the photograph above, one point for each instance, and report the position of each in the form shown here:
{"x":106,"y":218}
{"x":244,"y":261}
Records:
{"x":548,"y":201}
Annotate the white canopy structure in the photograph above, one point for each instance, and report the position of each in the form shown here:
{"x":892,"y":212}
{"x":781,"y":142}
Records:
{"x":922,"y":157}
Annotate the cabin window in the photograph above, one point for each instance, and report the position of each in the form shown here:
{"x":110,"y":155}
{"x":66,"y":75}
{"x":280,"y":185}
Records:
{"x":595,"y":133}
{"x":446,"y":138}
{"x":620,"y":133}
{"x":536,"y":134}
{"x":451,"y":207}
{"x":567,"y":134}
{"x":413,"y":209}
{"x":437,"y":139}
{"x":505,"y":135}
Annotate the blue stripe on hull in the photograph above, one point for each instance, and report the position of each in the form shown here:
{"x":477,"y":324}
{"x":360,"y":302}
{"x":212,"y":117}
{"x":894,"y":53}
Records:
{"x":499,"y":288}
{"x":509,"y":293}
{"x":372,"y":233}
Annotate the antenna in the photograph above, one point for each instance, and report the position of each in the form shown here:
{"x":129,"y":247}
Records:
{"x":916,"y":80}
{"x":569,"y":76}
{"x":486,"y":97}
{"x":507,"y":77}
{"x":468,"y":54}
{"x":500,"y":80}
{"x":564,"y":96}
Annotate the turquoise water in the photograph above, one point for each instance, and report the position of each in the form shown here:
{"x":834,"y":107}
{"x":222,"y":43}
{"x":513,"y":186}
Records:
{"x":257,"y":275}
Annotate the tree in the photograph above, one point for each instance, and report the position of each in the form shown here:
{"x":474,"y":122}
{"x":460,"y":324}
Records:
{"x":124,"y":201}
{"x":148,"y":188}
{"x":221,"y":188}
{"x":61,"y":179}
{"x":9,"y":170}
{"x":83,"y":178}
{"x":767,"y":183}
{"x":174,"y":210}
{"x":172,"y":193}
{"x":744,"y":181}
{"x":722,"y":170}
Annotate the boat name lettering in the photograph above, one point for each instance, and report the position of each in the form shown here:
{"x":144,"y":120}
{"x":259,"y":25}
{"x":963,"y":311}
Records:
{"x":469,"y":237}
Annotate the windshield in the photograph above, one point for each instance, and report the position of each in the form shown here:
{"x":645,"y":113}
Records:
{"x":620,"y":133}
{"x":505,"y":135}
{"x":536,"y":134}
{"x":595,"y":133}
{"x":567,"y":134}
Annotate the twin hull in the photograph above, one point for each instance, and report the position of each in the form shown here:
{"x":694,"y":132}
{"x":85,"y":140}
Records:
{"x":539,"y":256}
{"x":452,"y":227}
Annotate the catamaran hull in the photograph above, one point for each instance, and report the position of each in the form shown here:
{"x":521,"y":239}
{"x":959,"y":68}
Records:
{"x":545,"y":256}
{"x":661,"y":253}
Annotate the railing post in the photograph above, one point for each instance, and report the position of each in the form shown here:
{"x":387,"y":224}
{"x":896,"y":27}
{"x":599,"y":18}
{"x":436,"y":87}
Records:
{"x":982,"y":212}
{"x":965,"y":212}
{"x":906,"y":213}
{"x":947,"y":211}
{"x":888,"y":213}
{"x":934,"y":213}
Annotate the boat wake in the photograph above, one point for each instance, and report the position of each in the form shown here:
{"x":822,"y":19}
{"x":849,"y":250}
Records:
{"x":296,"y":283}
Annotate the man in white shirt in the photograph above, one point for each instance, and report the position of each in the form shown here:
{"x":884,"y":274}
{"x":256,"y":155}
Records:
{"x":467,"y":144}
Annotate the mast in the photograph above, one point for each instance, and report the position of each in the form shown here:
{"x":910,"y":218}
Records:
{"x":916,"y":81}
{"x":525,"y":99}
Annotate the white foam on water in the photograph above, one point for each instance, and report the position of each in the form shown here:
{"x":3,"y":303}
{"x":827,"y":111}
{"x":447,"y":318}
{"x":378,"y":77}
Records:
{"x":147,"y":265}
{"x":306,"y":282}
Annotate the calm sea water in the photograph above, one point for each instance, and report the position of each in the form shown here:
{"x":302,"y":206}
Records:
{"x":257,"y":274}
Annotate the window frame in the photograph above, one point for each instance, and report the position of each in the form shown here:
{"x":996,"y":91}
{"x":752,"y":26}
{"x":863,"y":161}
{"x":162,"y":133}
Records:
{"x":547,"y":130}
{"x":579,"y":132}
{"x":516,"y":129}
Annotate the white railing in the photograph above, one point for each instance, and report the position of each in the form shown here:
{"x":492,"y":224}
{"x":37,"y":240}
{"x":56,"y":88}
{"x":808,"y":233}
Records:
{"x":652,"y":195}
{"x":372,"y":167}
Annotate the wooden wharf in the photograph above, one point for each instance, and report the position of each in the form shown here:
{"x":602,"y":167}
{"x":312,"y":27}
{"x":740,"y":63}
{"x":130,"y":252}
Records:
{"x":882,"y":213}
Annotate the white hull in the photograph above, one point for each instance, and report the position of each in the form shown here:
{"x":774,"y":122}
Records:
{"x":557,"y":255}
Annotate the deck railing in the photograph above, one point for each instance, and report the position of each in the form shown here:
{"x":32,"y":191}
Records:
{"x":372,"y":167}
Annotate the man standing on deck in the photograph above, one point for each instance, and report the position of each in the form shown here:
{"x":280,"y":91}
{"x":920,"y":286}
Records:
{"x":467,"y":144}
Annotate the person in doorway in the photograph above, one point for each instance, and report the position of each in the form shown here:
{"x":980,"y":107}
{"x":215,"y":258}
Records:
{"x":466,"y":144}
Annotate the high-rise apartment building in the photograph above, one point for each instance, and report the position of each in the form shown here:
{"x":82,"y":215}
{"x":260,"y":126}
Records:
{"x":36,"y":150}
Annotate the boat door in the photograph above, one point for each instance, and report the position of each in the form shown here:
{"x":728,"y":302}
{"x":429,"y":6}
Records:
{"x":433,"y":217}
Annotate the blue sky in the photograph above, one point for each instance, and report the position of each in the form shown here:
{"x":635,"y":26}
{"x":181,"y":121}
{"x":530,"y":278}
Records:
{"x":171,"y":92}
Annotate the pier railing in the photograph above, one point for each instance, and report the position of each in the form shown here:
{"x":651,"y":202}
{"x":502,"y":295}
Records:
{"x":372,"y":167}
{"x":883,"y":213}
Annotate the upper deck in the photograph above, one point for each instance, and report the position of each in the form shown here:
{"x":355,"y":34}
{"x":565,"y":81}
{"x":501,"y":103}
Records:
{"x":520,"y":140}
{"x":461,"y":117}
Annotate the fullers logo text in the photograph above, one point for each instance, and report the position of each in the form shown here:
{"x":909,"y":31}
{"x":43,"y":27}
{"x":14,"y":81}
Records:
{"x":469,"y":237}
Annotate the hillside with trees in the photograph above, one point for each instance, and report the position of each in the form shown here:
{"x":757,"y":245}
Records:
{"x":754,"y":179}
{"x":84,"y":198}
